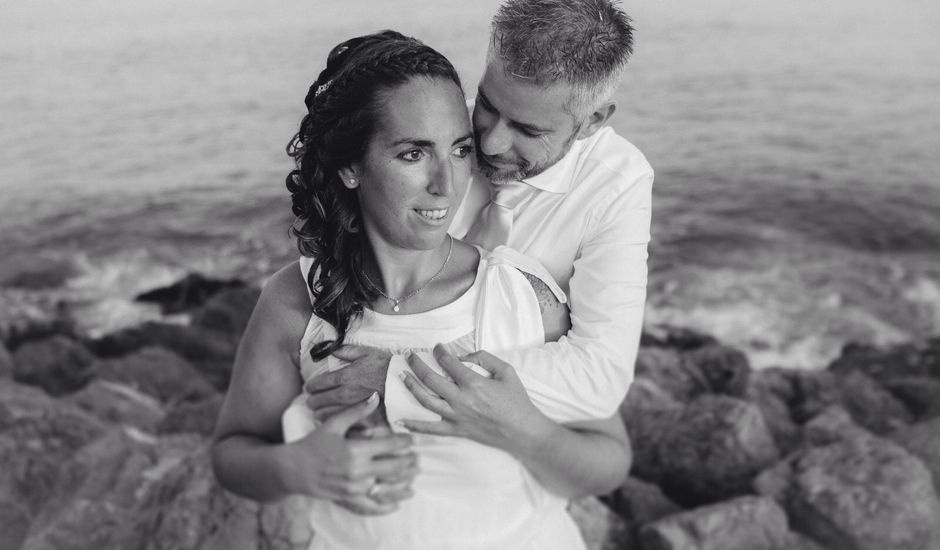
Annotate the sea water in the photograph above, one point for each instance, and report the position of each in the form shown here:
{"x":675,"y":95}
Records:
{"x":796,"y":143}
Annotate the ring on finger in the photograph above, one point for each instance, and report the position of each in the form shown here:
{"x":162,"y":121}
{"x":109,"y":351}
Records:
{"x":374,"y":490}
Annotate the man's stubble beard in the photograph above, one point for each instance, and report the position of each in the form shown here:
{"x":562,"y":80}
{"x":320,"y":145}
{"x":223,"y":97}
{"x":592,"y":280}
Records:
{"x":495,"y":176}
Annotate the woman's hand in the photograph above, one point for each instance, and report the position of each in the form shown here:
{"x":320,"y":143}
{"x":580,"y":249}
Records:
{"x":493,"y":411}
{"x":369,"y":473}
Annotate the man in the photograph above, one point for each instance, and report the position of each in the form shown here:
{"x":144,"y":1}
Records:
{"x":567,"y":191}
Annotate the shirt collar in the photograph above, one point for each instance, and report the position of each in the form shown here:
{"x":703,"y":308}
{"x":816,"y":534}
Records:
{"x":558,"y":178}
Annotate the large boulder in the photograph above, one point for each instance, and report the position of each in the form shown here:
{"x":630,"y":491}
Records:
{"x":707,"y":451}
{"x":863,"y":493}
{"x":189,"y":292}
{"x":600,"y":527}
{"x":923,"y":441}
{"x":771,"y":390}
{"x":58,"y":365}
{"x":117,"y":403}
{"x":6,"y":363}
{"x":665,"y":368}
{"x":832,"y":425}
{"x":639,"y":503}
{"x":724,"y":369}
{"x":228,"y":312}
{"x":920,"y":394}
{"x":882,"y":364}
{"x":678,"y":338}
{"x":192,"y":417}
{"x":159,"y":373}
{"x":744,"y":523}
{"x":37,"y":435}
{"x":211,"y":352}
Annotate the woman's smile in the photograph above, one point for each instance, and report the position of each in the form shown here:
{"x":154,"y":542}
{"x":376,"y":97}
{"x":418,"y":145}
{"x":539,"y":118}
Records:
{"x":434,"y":215}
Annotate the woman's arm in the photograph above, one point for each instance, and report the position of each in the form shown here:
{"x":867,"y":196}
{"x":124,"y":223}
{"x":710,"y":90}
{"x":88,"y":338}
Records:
{"x":248,"y":454}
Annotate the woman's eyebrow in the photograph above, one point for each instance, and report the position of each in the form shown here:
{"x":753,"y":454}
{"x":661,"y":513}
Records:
{"x":418,"y":142}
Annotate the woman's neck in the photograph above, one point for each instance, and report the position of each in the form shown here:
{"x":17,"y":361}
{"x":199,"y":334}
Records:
{"x":398,"y":272}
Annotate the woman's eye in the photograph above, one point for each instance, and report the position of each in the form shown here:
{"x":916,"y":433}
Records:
{"x":413,"y":155}
{"x":464,"y":151}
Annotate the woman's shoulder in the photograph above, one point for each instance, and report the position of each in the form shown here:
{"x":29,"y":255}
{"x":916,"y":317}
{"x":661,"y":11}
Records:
{"x":285,"y":295}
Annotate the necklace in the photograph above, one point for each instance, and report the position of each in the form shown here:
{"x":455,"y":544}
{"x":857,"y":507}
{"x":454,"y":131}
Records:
{"x":397,"y":301}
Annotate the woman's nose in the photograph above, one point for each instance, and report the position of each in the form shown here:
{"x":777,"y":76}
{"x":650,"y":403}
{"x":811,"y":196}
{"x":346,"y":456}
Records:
{"x":442,"y":178}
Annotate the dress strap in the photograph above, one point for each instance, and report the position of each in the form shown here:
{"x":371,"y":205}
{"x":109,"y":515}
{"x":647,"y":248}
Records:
{"x":306,"y":264}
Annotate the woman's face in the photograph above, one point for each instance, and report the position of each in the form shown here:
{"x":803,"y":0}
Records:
{"x":417,"y":165}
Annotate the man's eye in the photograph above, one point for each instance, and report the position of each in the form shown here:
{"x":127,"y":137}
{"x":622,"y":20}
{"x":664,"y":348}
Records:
{"x":412,"y":155}
{"x":464,"y":151}
{"x":530,"y":133}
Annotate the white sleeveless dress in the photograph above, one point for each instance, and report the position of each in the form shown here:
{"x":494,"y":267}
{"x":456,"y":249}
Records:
{"x":467,"y":496}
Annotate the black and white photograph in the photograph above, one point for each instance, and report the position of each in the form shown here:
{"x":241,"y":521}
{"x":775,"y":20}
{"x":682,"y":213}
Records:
{"x":454,"y":275}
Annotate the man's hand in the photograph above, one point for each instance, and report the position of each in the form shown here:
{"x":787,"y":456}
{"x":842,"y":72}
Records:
{"x":493,"y":411}
{"x":334,"y":391}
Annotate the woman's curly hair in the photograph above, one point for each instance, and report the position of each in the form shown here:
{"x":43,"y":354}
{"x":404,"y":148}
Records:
{"x":343,"y":108}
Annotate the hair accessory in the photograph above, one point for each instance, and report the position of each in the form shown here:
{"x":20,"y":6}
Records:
{"x":397,"y":301}
{"x":323,"y":87}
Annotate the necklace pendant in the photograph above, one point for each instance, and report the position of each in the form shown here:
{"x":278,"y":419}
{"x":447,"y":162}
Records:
{"x":395,"y":307}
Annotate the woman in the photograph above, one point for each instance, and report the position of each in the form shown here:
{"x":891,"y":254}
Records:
{"x":383,"y":159}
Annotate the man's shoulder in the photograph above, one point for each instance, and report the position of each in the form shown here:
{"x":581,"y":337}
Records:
{"x":609,"y":159}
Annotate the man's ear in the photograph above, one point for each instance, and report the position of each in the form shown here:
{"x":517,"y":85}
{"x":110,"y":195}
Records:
{"x":350,"y":176}
{"x":597,"y":119}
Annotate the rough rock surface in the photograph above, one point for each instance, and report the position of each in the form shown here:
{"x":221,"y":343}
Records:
{"x":159,"y":373}
{"x":882,"y":364}
{"x":58,"y":365}
{"x":601,"y":528}
{"x":744,"y":523}
{"x":227,"y":312}
{"x":923,"y":441}
{"x":725,"y":369}
{"x":921,"y":395}
{"x":192,"y":417}
{"x":6,"y":363}
{"x":865,"y":493}
{"x":189,"y":292}
{"x":117,"y":403}
{"x":771,"y":390}
{"x":707,"y":451}
{"x":665,"y":368}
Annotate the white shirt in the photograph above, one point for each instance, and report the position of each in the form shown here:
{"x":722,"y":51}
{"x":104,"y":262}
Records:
{"x":588,"y":222}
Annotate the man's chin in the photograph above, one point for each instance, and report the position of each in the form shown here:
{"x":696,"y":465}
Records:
{"x":497,"y":175}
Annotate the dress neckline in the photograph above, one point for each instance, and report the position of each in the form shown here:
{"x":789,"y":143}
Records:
{"x":445,"y":309}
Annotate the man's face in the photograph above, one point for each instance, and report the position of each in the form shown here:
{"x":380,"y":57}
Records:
{"x":520,"y":129}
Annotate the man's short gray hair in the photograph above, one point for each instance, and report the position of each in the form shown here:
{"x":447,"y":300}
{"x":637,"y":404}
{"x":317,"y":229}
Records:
{"x":585,"y":43}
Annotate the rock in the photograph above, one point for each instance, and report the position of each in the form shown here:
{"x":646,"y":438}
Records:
{"x":665,"y":368}
{"x":182,"y":506}
{"x":744,"y":523}
{"x":645,"y":394}
{"x":771,"y":390}
{"x":708,"y":451}
{"x":228,"y":312}
{"x":872,"y":406}
{"x":58,"y":365}
{"x":601,"y":528}
{"x":832,"y":425}
{"x":37,"y":435}
{"x":159,"y":373}
{"x":189,"y":292}
{"x":921,"y":395}
{"x":192,"y":417}
{"x":725,"y":369}
{"x":96,"y":495}
{"x":6,"y":363}
{"x":117,"y":403}
{"x":919,"y":359}
{"x":210,"y":352}
{"x":639,"y":502}
{"x":923,"y":441}
{"x":862,"y":494}
{"x":14,"y":524}
{"x":677,"y":338}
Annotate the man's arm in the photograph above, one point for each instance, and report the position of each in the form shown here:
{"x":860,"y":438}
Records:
{"x":587,"y":372}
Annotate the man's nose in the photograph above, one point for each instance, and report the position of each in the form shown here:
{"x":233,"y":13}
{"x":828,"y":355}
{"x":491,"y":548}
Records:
{"x":495,"y":139}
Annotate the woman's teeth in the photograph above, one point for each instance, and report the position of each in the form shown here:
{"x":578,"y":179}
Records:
{"x":433,"y":214}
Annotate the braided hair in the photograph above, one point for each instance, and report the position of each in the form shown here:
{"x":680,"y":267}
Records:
{"x":344,"y":105}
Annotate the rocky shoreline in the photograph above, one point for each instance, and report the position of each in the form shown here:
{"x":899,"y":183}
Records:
{"x":104,"y":443}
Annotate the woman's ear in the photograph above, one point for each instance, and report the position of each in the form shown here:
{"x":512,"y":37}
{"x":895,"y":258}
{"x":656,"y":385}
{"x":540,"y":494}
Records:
{"x":349,"y":177}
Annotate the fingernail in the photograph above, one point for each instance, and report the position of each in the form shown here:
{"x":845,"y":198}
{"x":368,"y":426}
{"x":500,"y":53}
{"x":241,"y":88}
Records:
{"x":401,"y":424}
{"x":373,"y":397}
{"x":403,"y":376}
